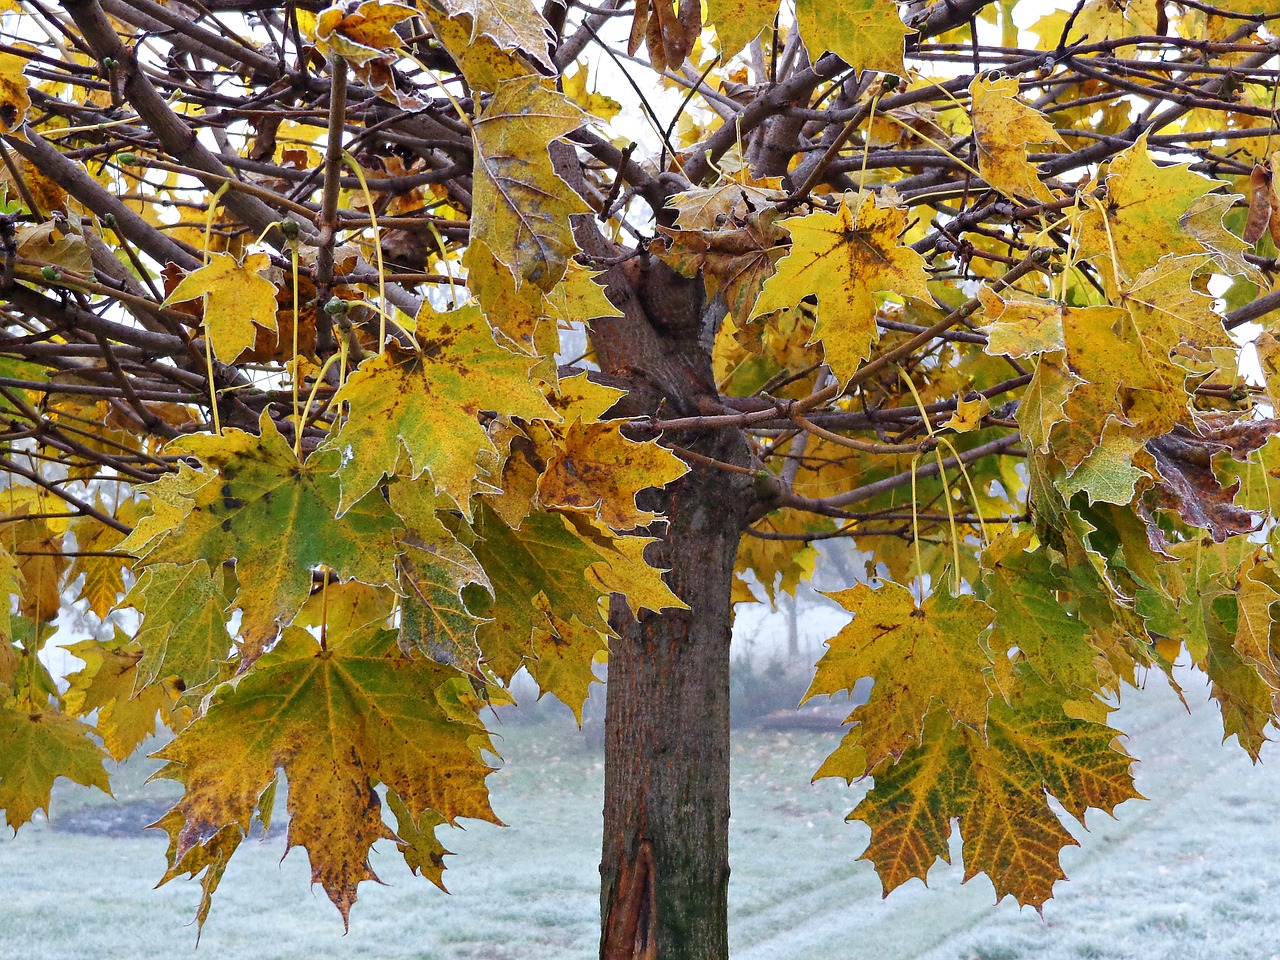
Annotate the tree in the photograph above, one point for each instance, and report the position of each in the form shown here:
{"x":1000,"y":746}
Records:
{"x":285,"y":292}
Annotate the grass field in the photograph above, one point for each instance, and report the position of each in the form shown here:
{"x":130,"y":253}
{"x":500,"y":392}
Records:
{"x":1192,"y":873}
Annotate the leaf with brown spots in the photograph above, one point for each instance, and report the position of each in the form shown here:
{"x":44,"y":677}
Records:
{"x":998,"y":786}
{"x":1134,"y":225}
{"x":521,"y":206}
{"x":599,"y":470}
{"x":845,"y":258}
{"x":37,"y":746}
{"x":423,"y":405}
{"x":337,"y":720}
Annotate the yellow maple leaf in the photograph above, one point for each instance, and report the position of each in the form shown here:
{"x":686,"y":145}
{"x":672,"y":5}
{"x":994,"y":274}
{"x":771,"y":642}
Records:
{"x":362,"y":35}
{"x":738,"y":22}
{"x":1003,"y":126}
{"x":1132,"y":227}
{"x":522,"y":208}
{"x":238,"y":297}
{"x":845,"y":258}
{"x":14,"y":98}
{"x":866,"y":34}
{"x":597,"y":469}
{"x":426,"y":401}
{"x":916,"y":654}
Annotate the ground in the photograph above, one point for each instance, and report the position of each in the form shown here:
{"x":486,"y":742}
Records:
{"x":1193,"y":873}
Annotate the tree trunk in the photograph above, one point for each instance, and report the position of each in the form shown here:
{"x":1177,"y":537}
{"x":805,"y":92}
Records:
{"x":665,"y":866}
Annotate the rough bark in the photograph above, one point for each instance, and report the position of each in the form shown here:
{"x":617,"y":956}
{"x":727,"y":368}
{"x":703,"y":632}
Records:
{"x":665,"y":863}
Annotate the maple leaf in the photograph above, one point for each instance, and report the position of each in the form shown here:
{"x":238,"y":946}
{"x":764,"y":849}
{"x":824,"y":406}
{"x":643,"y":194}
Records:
{"x":425,"y":402}
{"x":106,"y":685}
{"x":36,"y":544}
{"x":538,"y":569}
{"x":1031,"y":620}
{"x":37,"y":746}
{"x":997,"y":789}
{"x":11,"y":585}
{"x":336,"y":720}
{"x":363,"y":34}
{"x":1189,"y":484}
{"x":517,"y":313}
{"x":15,"y":100}
{"x":434,"y":570}
{"x":1003,"y":127}
{"x":1142,"y":201}
{"x":738,"y":22}
{"x":597,"y":469}
{"x":845,"y":258}
{"x":736,"y":196}
{"x":260,"y":484}
{"x":916,"y":654}
{"x":184,"y":622}
{"x":238,"y":297}
{"x":735,"y":261}
{"x":1167,"y":311}
{"x":866,"y":34}
{"x":515,"y":25}
{"x":103,"y":575}
{"x":416,"y":840}
{"x":521,"y":206}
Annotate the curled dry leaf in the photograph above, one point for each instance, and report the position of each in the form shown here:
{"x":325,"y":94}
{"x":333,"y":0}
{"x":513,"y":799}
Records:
{"x":1259,"y":204}
{"x":1189,"y":484}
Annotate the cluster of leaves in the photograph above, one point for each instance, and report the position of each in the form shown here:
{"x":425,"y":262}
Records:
{"x":316,"y":498}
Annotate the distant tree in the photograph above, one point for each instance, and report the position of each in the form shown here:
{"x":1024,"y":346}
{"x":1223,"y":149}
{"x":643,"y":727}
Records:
{"x":284,"y":295}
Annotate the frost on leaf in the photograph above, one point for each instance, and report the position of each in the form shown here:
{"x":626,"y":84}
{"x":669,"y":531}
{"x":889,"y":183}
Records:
{"x":337,"y":720}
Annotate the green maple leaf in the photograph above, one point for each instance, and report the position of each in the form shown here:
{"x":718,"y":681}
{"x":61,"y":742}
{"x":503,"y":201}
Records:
{"x":543,"y":600}
{"x":36,"y":747}
{"x":184,"y":622}
{"x":276,"y":517}
{"x":435,"y":568}
{"x":915,"y":654}
{"x":337,"y":720}
{"x":521,"y":207}
{"x":425,"y":403}
{"x":1030,"y":617}
{"x":866,"y":34}
{"x":845,"y":258}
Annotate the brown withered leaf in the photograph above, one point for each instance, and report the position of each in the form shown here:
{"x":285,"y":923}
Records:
{"x":1259,"y":204}
{"x":1188,"y":484}
{"x":735,"y":260}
